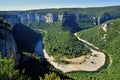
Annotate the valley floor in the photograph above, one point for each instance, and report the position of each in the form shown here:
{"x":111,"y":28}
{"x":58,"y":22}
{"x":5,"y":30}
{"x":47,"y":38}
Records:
{"x":91,"y":62}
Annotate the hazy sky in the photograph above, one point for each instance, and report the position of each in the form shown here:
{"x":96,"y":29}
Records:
{"x":41,"y":4}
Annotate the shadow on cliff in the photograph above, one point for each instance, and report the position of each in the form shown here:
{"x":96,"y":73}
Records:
{"x":26,"y":39}
{"x":69,"y":23}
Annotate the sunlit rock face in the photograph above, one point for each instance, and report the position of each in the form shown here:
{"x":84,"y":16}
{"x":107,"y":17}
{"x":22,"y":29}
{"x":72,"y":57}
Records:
{"x":26,"y":16}
{"x":40,"y":17}
{"x":105,"y":27}
{"x":29,"y":16}
{"x":53,"y":17}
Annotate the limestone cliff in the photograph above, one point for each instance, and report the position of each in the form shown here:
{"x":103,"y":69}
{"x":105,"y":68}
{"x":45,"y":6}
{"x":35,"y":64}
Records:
{"x":30,"y":16}
{"x":7,"y":44}
{"x":26,"y":16}
{"x":12,"y":19}
{"x":82,"y":16}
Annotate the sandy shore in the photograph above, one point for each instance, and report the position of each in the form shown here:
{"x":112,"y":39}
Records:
{"x":91,"y":62}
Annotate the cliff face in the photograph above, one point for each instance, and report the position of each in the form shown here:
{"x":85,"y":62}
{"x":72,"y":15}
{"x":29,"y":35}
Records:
{"x":8,"y":46}
{"x":26,"y":39}
{"x":12,"y":19}
{"x":82,"y":16}
{"x":7,"y":43}
{"x":49,"y":17}
{"x":30,"y":16}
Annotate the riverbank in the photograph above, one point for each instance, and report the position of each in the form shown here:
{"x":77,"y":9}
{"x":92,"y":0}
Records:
{"x":108,"y":55}
{"x":82,"y":63}
{"x":90,"y":62}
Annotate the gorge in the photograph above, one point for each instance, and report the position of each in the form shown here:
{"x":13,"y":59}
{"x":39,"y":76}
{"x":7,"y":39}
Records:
{"x":63,"y":41}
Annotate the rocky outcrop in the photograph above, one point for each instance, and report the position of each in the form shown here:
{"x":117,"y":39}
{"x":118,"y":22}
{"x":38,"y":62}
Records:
{"x":52,"y":17}
{"x":12,"y":19}
{"x":30,"y":16}
{"x":26,"y":16}
{"x":104,"y":37}
{"x":8,"y":46}
{"x":48,"y":16}
{"x":105,"y":27}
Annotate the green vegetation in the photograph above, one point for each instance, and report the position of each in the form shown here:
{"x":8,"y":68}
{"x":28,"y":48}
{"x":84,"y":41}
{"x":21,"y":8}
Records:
{"x":79,"y":18}
{"x":59,"y":42}
{"x":34,"y":69}
{"x":51,"y":76}
{"x":85,"y":22}
{"x":6,"y":68}
{"x":38,"y":68}
{"x":31,"y":67}
{"x":110,"y":46}
{"x":7,"y":71}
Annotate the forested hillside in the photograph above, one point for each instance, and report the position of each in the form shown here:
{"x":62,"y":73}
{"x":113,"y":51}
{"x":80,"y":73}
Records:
{"x":58,"y":41}
{"x":107,"y":40}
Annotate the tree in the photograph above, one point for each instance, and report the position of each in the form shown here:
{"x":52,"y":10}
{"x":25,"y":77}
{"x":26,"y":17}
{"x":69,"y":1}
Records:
{"x":51,"y":76}
{"x":7,"y":70}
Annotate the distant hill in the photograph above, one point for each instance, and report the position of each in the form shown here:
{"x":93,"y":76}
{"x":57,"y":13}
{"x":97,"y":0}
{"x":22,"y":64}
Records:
{"x":73,"y":19}
{"x":97,"y":11}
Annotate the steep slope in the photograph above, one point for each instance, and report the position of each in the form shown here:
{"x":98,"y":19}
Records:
{"x":25,"y":37}
{"x":8,"y":46}
{"x":104,"y":35}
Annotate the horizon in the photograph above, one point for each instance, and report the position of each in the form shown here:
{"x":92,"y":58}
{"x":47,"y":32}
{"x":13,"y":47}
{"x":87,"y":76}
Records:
{"x":59,"y":8}
{"x":14,"y":5}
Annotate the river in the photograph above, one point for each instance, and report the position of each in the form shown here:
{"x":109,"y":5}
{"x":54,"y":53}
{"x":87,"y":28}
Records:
{"x":82,"y":63}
